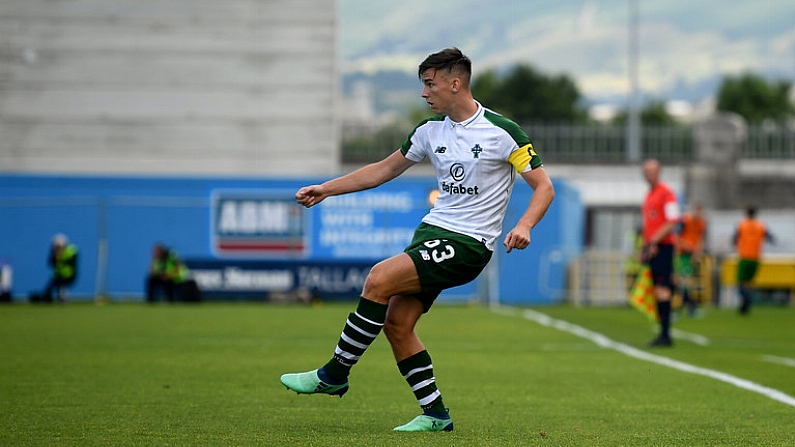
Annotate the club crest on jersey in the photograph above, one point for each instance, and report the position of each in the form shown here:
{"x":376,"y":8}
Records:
{"x":440,"y":150}
{"x":476,"y":150}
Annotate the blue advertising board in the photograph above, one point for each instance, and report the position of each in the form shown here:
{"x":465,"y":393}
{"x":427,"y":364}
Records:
{"x":231,"y":279}
{"x":368,"y":224}
{"x":257,"y":223}
{"x":235,"y":225}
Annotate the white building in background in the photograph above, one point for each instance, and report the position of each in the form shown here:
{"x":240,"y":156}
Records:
{"x":357,"y":107}
{"x":232,"y":87}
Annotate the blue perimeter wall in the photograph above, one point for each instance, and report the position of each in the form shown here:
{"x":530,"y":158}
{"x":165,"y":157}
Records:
{"x":119,"y":219}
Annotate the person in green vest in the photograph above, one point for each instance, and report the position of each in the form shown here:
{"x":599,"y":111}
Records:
{"x":167,"y":274}
{"x":63,"y":262}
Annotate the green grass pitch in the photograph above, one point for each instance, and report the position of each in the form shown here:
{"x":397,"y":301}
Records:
{"x":208,"y":375}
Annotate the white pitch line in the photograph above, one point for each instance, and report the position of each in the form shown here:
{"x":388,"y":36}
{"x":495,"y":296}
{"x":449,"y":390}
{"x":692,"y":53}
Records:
{"x":689,"y":336}
{"x":780,"y":360}
{"x":602,"y":340}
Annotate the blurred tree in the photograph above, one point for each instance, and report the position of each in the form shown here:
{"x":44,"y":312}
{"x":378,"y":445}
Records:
{"x":374,"y":143}
{"x":756,"y":100}
{"x":527,"y":96}
{"x":654,"y":113}
{"x":418,"y":113}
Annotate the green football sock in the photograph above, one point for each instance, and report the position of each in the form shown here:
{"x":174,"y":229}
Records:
{"x":418,"y":372}
{"x":361,"y":329}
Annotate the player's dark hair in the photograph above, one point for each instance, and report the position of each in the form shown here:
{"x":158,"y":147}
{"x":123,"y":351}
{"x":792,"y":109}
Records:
{"x":450,"y":59}
{"x":750,"y":211}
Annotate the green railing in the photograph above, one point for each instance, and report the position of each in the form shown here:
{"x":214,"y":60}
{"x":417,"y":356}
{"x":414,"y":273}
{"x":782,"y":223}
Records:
{"x":607,"y":144}
{"x":583,"y":144}
{"x":770,"y":143}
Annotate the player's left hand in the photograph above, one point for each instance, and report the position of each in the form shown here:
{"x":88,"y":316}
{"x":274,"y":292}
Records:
{"x":516,"y":239}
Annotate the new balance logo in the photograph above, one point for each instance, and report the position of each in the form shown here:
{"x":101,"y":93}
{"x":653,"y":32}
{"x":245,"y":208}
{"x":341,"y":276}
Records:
{"x":440,"y":150}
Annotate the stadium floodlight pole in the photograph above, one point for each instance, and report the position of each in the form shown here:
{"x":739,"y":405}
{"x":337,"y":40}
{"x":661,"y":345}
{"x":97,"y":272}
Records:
{"x":633,"y":111}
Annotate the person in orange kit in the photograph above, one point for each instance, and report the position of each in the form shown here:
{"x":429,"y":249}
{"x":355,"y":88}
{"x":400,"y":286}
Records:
{"x":689,"y":249}
{"x":749,"y":238}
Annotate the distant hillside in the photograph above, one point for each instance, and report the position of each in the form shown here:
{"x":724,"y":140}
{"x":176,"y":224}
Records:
{"x":394,"y":91}
{"x":685,"y":47}
{"x":398,"y":90}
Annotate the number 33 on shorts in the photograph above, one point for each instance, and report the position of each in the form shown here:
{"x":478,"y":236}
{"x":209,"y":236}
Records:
{"x":438,"y":254}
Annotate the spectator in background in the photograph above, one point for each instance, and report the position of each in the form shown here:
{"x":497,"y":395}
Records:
{"x":5,"y":282}
{"x":749,"y":237}
{"x":167,"y":274}
{"x":660,"y":216}
{"x":63,"y":262}
{"x":689,"y":249}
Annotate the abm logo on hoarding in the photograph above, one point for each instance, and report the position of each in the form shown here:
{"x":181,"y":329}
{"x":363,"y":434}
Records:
{"x":259,"y":223}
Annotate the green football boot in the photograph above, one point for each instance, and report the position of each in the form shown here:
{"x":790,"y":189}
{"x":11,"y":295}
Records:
{"x":309,"y":383}
{"x":426,"y":422}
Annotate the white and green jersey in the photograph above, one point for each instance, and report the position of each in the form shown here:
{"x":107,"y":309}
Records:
{"x":476,"y":163}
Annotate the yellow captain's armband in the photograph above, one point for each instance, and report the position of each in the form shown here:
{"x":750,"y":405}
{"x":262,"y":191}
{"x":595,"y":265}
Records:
{"x":521,"y":157}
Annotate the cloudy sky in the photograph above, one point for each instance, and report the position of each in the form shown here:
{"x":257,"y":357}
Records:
{"x":683,"y":44}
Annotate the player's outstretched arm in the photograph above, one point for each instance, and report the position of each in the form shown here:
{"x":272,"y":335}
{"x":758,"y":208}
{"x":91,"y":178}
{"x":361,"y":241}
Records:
{"x":543,"y":194}
{"x":367,"y":177}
